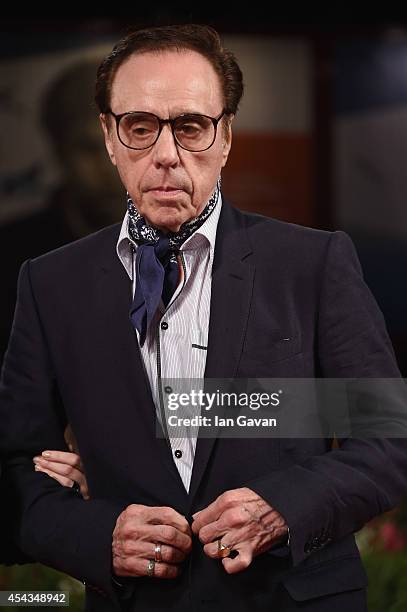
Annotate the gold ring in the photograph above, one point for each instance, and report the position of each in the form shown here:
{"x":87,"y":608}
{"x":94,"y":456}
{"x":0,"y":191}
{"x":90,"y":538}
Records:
{"x":150,"y":568}
{"x":224,"y":550}
{"x":157,"y":553}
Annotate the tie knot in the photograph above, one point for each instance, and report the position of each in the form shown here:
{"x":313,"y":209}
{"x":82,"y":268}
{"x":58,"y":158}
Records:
{"x":163,"y":249}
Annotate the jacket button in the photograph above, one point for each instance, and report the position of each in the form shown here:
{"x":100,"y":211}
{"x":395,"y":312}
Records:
{"x":316,"y":544}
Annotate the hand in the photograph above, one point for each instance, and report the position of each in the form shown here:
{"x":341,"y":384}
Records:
{"x":240,"y":518}
{"x":64,"y":467}
{"x":138,"y":529}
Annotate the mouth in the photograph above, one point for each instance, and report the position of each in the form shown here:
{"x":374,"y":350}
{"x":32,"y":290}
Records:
{"x":166,"y":191}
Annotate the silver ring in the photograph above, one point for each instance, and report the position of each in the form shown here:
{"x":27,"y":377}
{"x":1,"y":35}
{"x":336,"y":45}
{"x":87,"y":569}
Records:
{"x":150,"y":568}
{"x":157,"y":553}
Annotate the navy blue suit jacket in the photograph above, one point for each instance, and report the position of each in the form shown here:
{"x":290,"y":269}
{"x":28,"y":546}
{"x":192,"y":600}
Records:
{"x":74,"y":357}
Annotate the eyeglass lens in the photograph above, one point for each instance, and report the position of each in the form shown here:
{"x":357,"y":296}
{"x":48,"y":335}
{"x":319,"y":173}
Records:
{"x":192,"y":132}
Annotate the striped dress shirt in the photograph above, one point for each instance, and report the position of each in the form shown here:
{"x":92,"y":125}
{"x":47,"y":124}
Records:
{"x":177,"y":339}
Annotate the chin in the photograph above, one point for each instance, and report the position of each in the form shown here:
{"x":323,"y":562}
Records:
{"x":170,"y":219}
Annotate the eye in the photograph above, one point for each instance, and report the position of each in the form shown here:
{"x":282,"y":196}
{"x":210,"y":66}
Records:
{"x":140,"y":130}
{"x":139,"y":126}
{"x":189,"y":129}
{"x":193,"y":127}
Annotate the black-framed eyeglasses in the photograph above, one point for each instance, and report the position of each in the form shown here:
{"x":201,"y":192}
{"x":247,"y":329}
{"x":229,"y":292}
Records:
{"x":191,"y":131}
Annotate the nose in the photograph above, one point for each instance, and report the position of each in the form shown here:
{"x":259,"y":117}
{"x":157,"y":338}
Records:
{"x":165,"y":151}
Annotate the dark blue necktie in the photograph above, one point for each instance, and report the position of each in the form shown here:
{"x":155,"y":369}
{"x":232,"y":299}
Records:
{"x":157,"y":275}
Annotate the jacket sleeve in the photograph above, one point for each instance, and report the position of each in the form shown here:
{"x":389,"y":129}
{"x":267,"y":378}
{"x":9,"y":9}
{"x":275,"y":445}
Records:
{"x":57,"y":527}
{"x":332,"y":495}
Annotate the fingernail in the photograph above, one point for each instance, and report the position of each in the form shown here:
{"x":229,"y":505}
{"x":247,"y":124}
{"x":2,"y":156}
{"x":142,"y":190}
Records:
{"x":37,"y":468}
{"x":46,"y":454}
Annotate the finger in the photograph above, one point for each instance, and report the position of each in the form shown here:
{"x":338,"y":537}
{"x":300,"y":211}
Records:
{"x":136,"y":566}
{"x":240,"y":562}
{"x":128,"y":528}
{"x":213,"y":531}
{"x":60,"y":468}
{"x":69,"y":475}
{"x":228,"y":539}
{"x":66,"y":482}
{"x":206,"y":516}
{"x":84,"y":488}
{"x":210,"y":534}
{"x":63,"y":457}
{"x":146,"y":550}
{"x":233,"y":518}
{"x":158,"y":515}
{"x":165,"y":515}
{"x":167,"y":534}
{"x":73,"y":474}
{"x":169,"y":554}
{"x":211,"y":513}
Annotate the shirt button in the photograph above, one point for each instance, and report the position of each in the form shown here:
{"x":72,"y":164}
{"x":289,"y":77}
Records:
{"x":164,"y":325}
{"x":168,"y":389}
{"x":178,"y":454}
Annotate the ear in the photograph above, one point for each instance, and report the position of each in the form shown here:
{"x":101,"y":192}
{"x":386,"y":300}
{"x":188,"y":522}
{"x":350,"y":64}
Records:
{"x":108,"y":134}
{"x":227,"y":140}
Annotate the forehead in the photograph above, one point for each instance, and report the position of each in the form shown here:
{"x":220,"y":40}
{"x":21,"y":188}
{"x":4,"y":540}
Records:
{"x":167,"y":82}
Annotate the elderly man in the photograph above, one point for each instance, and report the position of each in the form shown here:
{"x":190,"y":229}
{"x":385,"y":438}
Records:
{"x":188,"y":287}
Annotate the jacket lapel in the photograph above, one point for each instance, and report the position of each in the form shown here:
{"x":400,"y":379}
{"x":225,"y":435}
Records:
{"x":232,"y":287}
{"x":114,"y":301}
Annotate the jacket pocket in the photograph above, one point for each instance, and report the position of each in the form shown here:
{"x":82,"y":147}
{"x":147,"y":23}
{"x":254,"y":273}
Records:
{"x":273,"y":345}
{"x":335,"y":576}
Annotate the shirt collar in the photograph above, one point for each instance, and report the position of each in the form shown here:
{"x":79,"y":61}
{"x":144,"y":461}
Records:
{"x":207,"y":231}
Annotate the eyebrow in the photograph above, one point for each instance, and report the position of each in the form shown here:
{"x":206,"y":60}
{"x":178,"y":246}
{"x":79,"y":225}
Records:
{"x":172,"y":115}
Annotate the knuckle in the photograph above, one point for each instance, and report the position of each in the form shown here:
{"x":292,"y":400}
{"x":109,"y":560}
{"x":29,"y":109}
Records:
{"x":167,"y":511}
{"x":124,"y":527}
{"x":188,"y":544}
{"x":204,"y":535}
{"x":162,"y":570}
{"x":228,"y":498}
{"x":168,"y":532}
{"x":129,"y":531}
{"x":134,"y":532}
{"x":208,"y":550}
{"x":169,"y":554}
{"x":66,"y":470}
{"x":174,"y":555}
{"x":234,"y":516}
{"x":225,"y":497}
{"x":126,"y":547}
{"x":243,"y":514}
{"x":125,"y":564}
{"x":76,"y":463}
{"x":116,"y":548}
{"x":123,"y":516}
{"x":134,"y":510}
